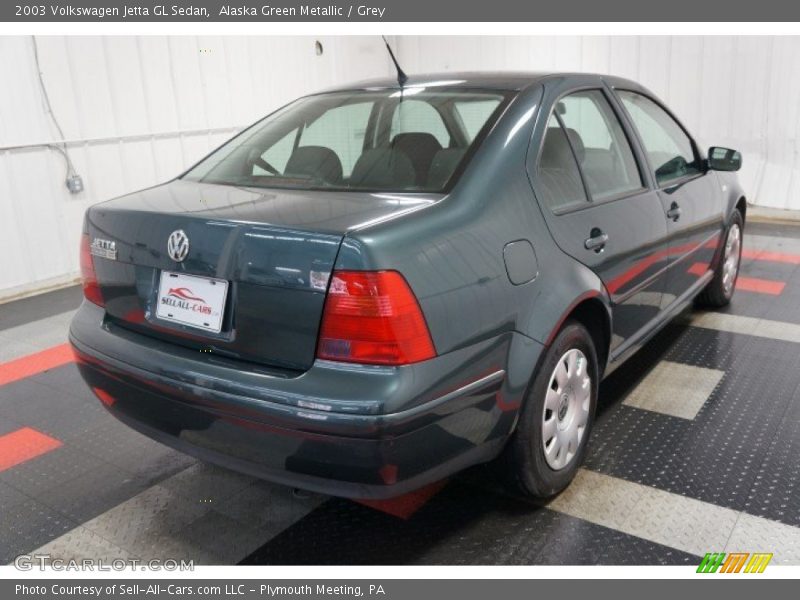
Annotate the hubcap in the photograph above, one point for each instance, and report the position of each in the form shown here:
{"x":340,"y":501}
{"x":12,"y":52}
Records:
{"x":730,"y":265}
{"x":566,"y":409}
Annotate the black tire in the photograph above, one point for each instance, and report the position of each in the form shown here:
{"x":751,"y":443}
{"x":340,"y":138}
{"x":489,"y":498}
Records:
{"x":526,"y":467}
{"x":715,"y":295}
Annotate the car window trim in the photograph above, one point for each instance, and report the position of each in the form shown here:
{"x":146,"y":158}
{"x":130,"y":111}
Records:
{"x":590,"y":201}
{"x":695,"y":150}
{"x":574,"y":207}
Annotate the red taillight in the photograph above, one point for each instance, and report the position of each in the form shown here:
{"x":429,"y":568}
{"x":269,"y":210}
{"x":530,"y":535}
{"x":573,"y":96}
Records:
{"x":372,"y":317}
{"x":91,"y":289}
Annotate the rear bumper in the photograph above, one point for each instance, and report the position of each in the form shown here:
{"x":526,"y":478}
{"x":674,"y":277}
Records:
{"x":356,"y":431}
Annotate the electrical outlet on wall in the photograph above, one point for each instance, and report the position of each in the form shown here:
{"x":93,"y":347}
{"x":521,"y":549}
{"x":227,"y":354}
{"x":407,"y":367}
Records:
{"x":74,"y":184}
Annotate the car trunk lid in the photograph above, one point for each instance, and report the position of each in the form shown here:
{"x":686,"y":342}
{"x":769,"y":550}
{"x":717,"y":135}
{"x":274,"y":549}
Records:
{"x":261,"y":259}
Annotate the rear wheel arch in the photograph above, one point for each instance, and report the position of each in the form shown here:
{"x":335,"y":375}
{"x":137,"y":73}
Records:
{"x":591,"y":311}
{"x":594,"y":316}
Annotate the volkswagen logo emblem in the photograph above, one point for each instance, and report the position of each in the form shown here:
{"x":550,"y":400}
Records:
{"x":178,"y":245}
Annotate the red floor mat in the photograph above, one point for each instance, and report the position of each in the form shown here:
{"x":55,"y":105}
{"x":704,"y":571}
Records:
{"x":26,"y":366}
{"x":22,"y":445}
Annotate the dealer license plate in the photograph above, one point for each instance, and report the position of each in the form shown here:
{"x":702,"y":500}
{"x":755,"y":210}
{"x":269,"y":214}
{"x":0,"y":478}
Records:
{"x":190,"y":300}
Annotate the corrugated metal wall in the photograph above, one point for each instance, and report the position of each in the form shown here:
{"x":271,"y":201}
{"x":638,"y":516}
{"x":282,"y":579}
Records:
{"x":137,"y":111}
{"x":140,"y":109}
{"x":741,"y":92}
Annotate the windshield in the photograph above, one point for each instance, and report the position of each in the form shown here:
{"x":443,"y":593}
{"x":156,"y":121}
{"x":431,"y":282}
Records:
{"x":364,"y":140}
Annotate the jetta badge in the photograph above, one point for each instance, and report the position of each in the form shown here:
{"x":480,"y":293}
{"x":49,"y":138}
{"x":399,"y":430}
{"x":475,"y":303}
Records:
{"x":178,"y":245}
{"x":104,"y":248}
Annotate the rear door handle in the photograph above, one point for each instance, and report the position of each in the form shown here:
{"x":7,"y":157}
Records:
{"x":674,"y":212}
{"x":596,"y":241}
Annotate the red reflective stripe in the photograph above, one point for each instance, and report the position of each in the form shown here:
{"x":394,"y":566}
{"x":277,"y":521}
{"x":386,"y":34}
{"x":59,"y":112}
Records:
{"x":406,"y":505}
{"x":760,"y":286}
{"x":698,"y":269}
{"x":22,"y":445}
{"x":768,"y":255}
{"x":747,"y":284}
{"x":104,"y":396}
{"x":637,"y":269}
{"x":32,"y":364}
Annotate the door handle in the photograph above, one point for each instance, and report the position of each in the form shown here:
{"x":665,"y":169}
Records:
{"x":674,"y":212}
{"x":596,"y":241}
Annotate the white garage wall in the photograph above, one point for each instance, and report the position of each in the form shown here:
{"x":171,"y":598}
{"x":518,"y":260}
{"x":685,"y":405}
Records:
{"x":136,"y":112}
{"x":741,"y":92}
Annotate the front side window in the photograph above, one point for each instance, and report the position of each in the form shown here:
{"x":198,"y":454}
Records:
{"x":600,"y":145}
{"x":669,"y":150}
{"x":361,"y":140}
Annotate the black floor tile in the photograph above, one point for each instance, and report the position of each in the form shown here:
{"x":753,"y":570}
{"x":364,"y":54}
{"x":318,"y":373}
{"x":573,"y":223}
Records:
{"x":717,"y":456}
{"x":93,"y":493}
{"x":21,"y":393}
{"x":462,"y":525}
{"x":8,"y":425}
{"x":10,"y":496}
{"x":776,"y":490}
{"x":41,"y":477}
{"x":26,"y":526}
{"x":66,"y":380}
{"x":137,"y":455}
{"x":58,"y":414}
{"x":39,"y":307}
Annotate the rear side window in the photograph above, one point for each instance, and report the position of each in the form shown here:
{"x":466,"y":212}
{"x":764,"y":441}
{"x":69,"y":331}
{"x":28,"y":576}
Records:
{"x":669,"y":149}
{"x":600,"y":145}
{"x":558,"y":178}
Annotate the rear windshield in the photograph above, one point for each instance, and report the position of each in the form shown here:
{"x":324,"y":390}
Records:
{"x":368,"y":140}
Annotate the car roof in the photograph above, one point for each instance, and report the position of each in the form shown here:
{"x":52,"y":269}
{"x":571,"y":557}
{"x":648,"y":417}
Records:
{"x":496,"y":80}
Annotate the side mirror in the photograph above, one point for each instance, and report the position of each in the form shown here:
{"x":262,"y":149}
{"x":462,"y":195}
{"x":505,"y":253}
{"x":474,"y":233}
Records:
{"x":724,"y":159}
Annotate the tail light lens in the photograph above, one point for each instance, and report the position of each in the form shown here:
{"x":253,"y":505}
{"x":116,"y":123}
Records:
{"x":373,"y":317}
{"x":91,"y":289}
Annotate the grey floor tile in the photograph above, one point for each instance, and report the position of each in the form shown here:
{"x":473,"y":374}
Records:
{"x":675,"y":389}
{"x":207,"y":484}
{"x":226,"y":539}
{"x":138,"y":523}
{"x":268,"y":506}
{"x":81,"y":543}
{"x":756,"y":534}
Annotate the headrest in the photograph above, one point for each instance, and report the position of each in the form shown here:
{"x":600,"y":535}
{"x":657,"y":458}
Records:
{"x":556,"y":152}
{"x":577,"y":144}
{"x":382,"y":168}
{"x":318,"y":162}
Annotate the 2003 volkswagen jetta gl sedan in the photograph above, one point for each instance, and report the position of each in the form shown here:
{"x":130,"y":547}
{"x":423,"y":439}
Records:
{"x":375,"y":287}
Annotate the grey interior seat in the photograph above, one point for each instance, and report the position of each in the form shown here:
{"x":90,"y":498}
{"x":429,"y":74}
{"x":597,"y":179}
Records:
{"x":420,"y":147}
{"x":383,"y":167}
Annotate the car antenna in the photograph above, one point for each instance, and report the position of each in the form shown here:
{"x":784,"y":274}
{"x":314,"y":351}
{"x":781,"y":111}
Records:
{"x":401,"y":76}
